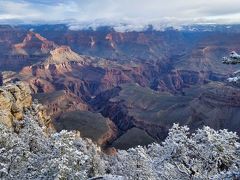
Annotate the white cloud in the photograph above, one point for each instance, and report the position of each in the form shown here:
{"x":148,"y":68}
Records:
{"x":137,"y":13}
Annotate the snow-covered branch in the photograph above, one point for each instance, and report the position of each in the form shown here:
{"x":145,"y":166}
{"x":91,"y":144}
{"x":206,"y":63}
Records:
{"x":233,"y":58}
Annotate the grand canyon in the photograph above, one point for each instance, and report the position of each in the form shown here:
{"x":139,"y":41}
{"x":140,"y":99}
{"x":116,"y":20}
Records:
{"x":123,"y":89}
{"x":119,"y":90}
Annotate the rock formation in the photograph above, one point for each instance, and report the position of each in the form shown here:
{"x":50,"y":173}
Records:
{"x":15,"y":100}
{"x":63,"y":54}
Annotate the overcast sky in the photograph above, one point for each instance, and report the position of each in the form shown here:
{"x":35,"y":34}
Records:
{"x":135,"y":12}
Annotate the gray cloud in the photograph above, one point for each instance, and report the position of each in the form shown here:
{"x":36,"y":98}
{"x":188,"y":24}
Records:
{"x":135,"y":13}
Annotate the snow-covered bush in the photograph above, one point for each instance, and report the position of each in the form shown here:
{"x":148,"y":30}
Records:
{"x":134,"y":163}
{"x":233,"y":58}
{"x":206,"y":154}
{"x":202,"y":155}
{"x":30,"y":153}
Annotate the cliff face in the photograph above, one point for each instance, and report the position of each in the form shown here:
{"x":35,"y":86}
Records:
{"x":60,"y":102}
{"x":15,"y":101}
{"x":14,"y":98}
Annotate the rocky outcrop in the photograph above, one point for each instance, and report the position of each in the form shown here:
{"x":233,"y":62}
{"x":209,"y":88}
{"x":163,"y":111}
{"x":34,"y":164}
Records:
{"x":15,"y":100}
{"x":44,"y":119}
{"x":64,"y":54}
